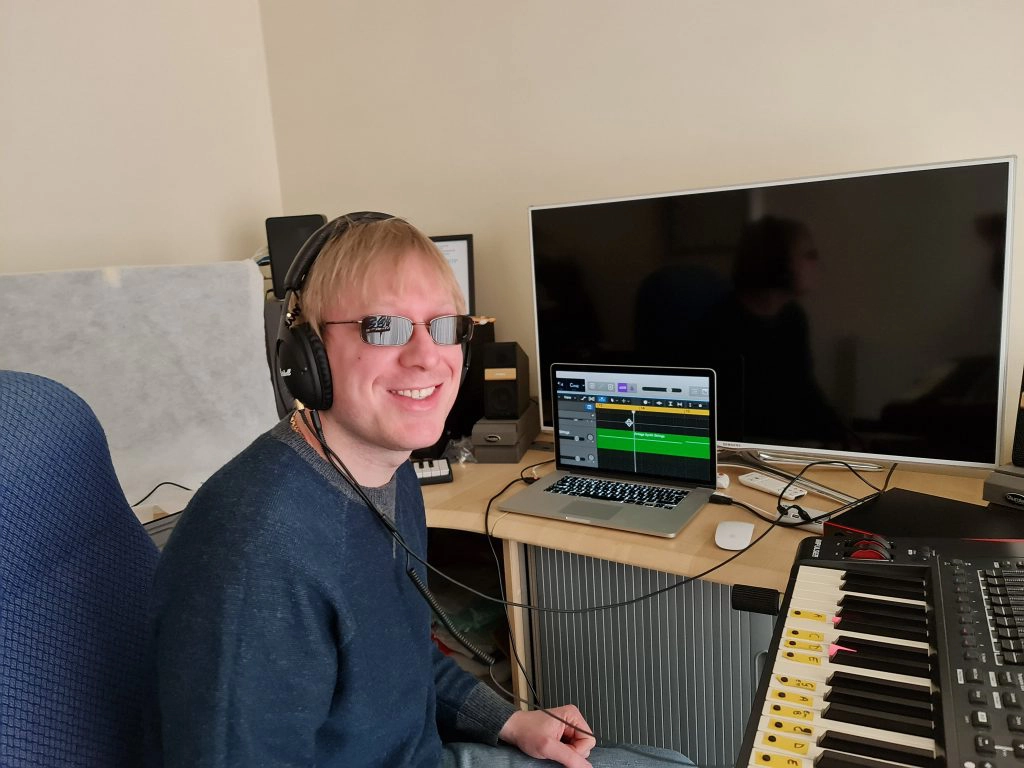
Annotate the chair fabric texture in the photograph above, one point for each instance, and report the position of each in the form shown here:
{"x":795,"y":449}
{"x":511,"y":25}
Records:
{"x":76,"y":568}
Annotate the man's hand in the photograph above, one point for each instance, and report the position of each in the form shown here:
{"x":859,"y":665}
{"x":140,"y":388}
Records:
{"x":540,"y":735}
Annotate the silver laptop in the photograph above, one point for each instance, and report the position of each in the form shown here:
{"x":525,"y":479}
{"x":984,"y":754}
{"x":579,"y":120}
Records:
{"x":634,"y":448}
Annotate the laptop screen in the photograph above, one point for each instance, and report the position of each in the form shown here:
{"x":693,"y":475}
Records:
{"x":655,"y":423}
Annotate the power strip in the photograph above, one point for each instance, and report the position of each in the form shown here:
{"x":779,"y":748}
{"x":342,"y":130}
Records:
{"x":792,"y":516}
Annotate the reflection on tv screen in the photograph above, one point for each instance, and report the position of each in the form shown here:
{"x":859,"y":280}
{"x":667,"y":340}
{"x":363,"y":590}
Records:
{"x":860,"y":314}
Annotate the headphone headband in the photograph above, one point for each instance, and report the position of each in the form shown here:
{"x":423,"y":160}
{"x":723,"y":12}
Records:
{"x":303,"y":262}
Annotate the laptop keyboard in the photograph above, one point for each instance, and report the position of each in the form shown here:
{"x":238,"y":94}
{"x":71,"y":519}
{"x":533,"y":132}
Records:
{"x":612,"y":490}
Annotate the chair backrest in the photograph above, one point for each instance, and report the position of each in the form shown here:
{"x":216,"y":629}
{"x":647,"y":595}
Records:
{"x":75,"y":573}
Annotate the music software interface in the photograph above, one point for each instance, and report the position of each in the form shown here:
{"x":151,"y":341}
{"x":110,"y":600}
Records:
{"x":656,"y":425}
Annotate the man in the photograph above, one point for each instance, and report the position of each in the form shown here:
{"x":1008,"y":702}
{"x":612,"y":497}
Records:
{"x":287,"y":629}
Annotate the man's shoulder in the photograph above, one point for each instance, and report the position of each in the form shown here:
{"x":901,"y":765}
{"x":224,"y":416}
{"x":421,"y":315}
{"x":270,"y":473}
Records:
{"x":264,"y":466}
{"x":265,"y":483}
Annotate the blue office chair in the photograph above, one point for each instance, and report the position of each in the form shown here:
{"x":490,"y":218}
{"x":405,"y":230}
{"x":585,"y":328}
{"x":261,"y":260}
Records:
{"x":75,"y":574}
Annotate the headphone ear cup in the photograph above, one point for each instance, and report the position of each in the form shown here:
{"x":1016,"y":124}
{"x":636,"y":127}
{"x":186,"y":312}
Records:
{"x":304,"y":367}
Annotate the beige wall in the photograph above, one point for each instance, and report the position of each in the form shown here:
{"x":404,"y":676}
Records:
{"x":133,"y":133}
{"x":461,"y":114}
{"x":142,"y":133}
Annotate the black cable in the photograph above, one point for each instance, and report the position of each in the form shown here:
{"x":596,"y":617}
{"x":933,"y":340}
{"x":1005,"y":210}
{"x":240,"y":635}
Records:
{"x":165,"y":482}
{"x":482,"y":656}
{"x":339,"y":465}
{"x":479,"y":654}
{"x":806,"y":517}
{"x":343,"y":470}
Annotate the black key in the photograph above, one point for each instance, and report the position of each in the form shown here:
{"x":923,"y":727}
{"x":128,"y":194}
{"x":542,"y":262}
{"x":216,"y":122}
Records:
{"x":887,"y":721}
{"x":873,"y":688}
{"x":831,"y":759}
{"x":882,"y":750}
{"x":886,"y":699}
{"x":912,"y":588}
{"x":883,"y":608}
{"x":888,"y":628}
{"x":885,"y":657}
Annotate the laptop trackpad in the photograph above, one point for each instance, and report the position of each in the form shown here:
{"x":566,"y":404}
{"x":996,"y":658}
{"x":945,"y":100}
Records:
{"x":590,"y":511}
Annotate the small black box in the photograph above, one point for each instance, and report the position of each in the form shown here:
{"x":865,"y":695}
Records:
{"x":506,"y":380}
{"x":501,"y":441}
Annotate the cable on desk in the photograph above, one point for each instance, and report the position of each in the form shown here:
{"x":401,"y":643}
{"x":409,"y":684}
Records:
{"x":788,"y":509}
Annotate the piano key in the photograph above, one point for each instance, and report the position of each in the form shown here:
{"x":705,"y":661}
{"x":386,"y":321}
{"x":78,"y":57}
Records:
{"x":816,"y":732}
{"x":818,"y":710}
{"x":903,"y":711}
{"x":911,"y":588}
{"x":820,"y":667}
{"x":878,"y":655}
{"x":837,"y":589}
{"x":830,"y":759}
{"x":805,"y":740}
{"x":878,"y":579}
{"x":766,"y":759}
{"x":825,"y":758}
{"x":879,"y":717}
{"x":821,"y":595}
{"x":910,"y":609}
{"x":794,"y":630}
{"x":818,"y":682}
{"x":787,"y":666}
{"x":884,"y":693}
{"x":821,"y":613}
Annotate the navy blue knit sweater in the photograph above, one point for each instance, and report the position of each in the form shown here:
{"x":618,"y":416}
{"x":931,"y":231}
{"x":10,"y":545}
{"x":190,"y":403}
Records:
{"x":287,"y":632}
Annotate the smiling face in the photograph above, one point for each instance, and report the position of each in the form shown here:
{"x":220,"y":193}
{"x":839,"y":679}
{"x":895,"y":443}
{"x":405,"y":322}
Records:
{"x":388,"y":401}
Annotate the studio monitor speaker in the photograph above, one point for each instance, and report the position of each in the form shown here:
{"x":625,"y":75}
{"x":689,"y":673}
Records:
{"x":285,"y":235}
{"x":506,"y":380}
{"x":1018,"y":433}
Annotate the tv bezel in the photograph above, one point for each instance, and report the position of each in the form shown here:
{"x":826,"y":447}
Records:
{"x":801,"y":454}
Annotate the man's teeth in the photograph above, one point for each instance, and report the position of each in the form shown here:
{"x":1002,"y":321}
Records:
{"x":416,"y":394}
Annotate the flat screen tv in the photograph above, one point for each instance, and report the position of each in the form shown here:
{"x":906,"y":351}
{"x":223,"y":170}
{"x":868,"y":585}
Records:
{"x":855,"y":315}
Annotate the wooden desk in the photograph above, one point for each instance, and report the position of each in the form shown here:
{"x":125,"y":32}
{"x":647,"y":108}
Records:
{"x":460,"y":505}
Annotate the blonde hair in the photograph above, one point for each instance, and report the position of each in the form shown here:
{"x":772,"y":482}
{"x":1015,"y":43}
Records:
{"x":346,"y":260}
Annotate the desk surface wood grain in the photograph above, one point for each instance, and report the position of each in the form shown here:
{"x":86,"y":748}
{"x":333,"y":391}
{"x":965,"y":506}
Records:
{"x":461,"y":505}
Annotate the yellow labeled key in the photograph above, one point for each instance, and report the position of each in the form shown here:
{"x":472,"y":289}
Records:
{"x":785,"y":726}
{"x":790,"y":697}
{"x":796,"y":682}
{"x":806,"y":634}
{"x":802,"y":658}
{"x":795,"y":713}
{"x":778,"y":741}
{"x":797,"y":613}
{"x":773,"y":760}
{"x":804,"y":646}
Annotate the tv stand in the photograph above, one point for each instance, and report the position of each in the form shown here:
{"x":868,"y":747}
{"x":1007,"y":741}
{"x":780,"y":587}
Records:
{"x":770,"y":460}
{"x":780,"y":457}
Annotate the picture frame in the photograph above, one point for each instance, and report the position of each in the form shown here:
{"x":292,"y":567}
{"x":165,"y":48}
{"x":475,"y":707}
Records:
{"x":458,"y":249}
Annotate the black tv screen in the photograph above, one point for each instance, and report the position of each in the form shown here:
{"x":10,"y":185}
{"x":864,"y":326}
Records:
{"x":862,"y":314}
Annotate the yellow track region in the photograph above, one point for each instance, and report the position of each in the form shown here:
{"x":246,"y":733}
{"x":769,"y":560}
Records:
{"x":655,"y":409}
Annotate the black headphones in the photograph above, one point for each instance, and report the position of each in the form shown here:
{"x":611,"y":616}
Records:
{"x":301,"y":357}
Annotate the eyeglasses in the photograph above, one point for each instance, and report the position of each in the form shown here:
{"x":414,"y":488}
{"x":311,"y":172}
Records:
{"x":395,"y":330}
